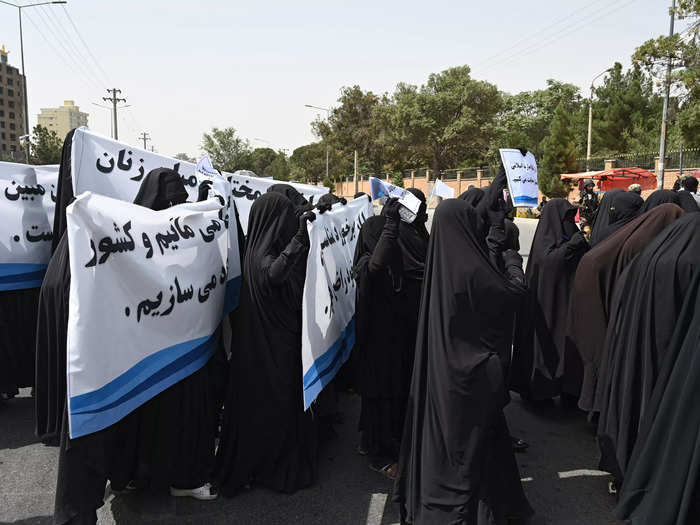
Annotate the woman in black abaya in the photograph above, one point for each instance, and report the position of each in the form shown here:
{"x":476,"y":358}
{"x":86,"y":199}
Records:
{"x":267,"y":436}
{"x":645,"y":307}
{"x":456,"y":462}
{"x":300,"y":203}
{"x":169,"y":441}
{"x":542,"y":368}
{"x":621,"y":208}
{"x":389,"y":266}
{"x":659,"y":197}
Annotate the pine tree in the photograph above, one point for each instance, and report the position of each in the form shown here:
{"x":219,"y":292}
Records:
{"x":559,"y":155}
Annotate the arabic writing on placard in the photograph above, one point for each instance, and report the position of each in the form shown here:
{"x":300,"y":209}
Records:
{"x":166,"y":240}
{"x":15,"y":192}
{"x":178,"y":295}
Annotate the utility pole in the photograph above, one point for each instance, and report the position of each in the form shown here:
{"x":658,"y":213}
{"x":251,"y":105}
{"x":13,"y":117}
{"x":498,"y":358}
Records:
{"x":590,"y":120}
{"x":144,"y":136}
{"x":114,"y":100}
{"x":664,"y":115}
{"x":355,"y":176}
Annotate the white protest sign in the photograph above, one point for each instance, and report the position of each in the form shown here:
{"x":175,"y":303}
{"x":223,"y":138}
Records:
{"x":443,"y":190}
{"x":328,"y":309}
{"x":114,"y":169}
{"x":47,"y":176}
{"x":521,"y":171}
{"x":158,"y":277}
{"x":25,"y":230}
{"x":378,"y":189}
{"x":246,"y":189}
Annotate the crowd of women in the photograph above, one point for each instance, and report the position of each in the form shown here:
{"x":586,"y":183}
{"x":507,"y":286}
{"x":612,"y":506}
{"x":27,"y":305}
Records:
{"x":447,"y":325}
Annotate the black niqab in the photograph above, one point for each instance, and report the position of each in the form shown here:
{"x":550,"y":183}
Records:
{"x":456,"y":463}
{"x":300,"y":203}
{"x":622,"y":207}
{"x":161,"y":189}
{"x":660,"y":197}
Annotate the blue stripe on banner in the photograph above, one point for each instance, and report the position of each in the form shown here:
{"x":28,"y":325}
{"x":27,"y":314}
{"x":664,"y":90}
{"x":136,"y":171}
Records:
{"x":327,"y":365}
{"x":523,"y":200}
{"x":97,"y":410}
{"x":233,"y":294}
{"x":19,"y":276}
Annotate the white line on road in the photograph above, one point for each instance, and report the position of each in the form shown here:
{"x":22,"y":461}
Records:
{"x":375,"y":512}
{"x":580,"y":472}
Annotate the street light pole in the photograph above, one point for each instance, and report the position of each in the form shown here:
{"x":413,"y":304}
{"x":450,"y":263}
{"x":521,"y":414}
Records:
{"x":24,"y":74}
{"x":328,"y":119}
{"x":664,"y":114}
{"x":590,"y":119}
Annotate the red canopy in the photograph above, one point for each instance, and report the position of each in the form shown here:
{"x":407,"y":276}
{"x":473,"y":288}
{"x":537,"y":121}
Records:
{"x":615,"y":178}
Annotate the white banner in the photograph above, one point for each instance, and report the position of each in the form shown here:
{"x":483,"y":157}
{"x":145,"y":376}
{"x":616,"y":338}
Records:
{"x":443,"y":190}
{"x":246,"y":189}
{"x":114,"y":169}
{"x":521,"y":172}
{"x":328,"y":327}
{"x":47,"y":177}
{"x":146,"y":298}
{"x":25,"y":225}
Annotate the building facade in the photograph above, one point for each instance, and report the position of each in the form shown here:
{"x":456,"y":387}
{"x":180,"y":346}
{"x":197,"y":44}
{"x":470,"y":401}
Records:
{"x":11,"y":108}
{"x":62,"y":119}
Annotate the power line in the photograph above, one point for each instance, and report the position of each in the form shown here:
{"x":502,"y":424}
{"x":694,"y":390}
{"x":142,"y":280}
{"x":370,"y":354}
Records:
{"x":77,"y":32}
{"x":65,"y":49}
{"x":556,"y":36}
{"x":144,"y":136}
{"x":114,"y":100}
{"x":84,"y":60}
{"x":536,"y":35}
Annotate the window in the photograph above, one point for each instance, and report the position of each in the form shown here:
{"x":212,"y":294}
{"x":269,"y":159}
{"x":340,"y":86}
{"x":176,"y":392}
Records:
{"x":12,"y":115}
{"x":2,"y":124}
{"x":2,"y":113}
{"x":13,"y":147}
{"x":12,"y":125}
{"x":10,"y":103}
{"x":10,"y":92}
{"x":10,"y":82}
{"x":4,"y":146}
{"x":2,"y":102}
{"x":1,"y":88}
{"x":2,"y":135}
{"x":13,"y":137}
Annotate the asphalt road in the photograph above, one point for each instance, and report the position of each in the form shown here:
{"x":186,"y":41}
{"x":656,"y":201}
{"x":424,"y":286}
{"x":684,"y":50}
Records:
{"x":557,"y":471}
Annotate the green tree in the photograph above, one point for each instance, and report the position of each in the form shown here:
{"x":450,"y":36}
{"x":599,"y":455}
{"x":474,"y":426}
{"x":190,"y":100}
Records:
{"x":308,"y":163}
{"x":279,"y":168}
{"x":397,"y":179}
{"x":185,"y":157}
{"x":683,"y":51}
{"x":450,"y":119}
{"x":328,"y":183}
{"x":45,"y":146}
{"x":227,"y":150}
{"x":261,"y":158}
{"x":626,"y":112}
{"x":559,"y":155}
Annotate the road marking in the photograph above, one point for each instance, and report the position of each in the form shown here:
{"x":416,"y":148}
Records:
{"x":580,"y":472}
{"x":375,"y":512}
{"x":523,"y":480}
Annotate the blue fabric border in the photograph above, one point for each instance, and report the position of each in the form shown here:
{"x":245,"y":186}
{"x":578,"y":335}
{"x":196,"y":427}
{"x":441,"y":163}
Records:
{"x":524,"y":201}
{"x":17,"y":276}
{"x":233,"y":294}
{"x":323,"y":370}
{"x":97,"y":410}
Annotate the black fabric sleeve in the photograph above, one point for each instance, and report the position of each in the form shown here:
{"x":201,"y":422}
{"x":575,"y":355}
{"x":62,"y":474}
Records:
{"x":282,"y":266}
{"x":387,"y":252}
{"x":495,"y":241}
{"x":514,"y":267}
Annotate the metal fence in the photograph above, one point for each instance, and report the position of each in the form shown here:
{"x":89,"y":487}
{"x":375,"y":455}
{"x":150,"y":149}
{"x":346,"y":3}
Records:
{"x":689,"y":158}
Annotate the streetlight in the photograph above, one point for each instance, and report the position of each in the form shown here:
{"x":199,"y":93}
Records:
{"x":590,"y":118}
{"x":21,"y":47}
{"x":328,"y":118}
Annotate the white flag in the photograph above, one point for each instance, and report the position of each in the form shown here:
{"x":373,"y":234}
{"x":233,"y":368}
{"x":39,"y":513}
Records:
{"x":443,"y":190}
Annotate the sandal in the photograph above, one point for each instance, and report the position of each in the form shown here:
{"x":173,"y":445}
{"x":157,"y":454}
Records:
{"x":390,"y":470}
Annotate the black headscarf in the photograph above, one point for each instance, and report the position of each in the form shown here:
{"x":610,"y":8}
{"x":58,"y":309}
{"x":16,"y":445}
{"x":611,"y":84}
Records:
{"x":472,"y":196}
{"x":266,"y":434}
{"x":622,"y":208}
{"x":456,"y":460}
{"x":299,"y":202}
{"x":602,"y":214}
{"x":688,"y":202}
{"x":64,"y":191}
{"x":413,"y":239}
{"x":594,"y":284}
{"x":660,"y":197}
{"x":542,"y":368}
{"x":328,"y":199}
{"x":645,"y":307}
{"x":161,"y":189}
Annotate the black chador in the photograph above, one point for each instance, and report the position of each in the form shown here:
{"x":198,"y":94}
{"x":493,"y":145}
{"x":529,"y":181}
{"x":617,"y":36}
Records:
{"x":389,"y":266}
{"x":267,"y":436}
{"x":456,"y":463}
{"x":619,"y":208}
{"x":542,"y":368}
{"x":645,"y":307}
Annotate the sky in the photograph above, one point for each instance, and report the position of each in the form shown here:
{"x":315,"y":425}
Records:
{"x":185,"y":67}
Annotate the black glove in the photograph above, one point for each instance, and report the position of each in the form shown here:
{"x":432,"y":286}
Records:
{"x":204,"y":188}
{"x":523,"y":151}
{"x":496,"y":206}
{"x":391,"y":209}
{"x":343,"y":201}
{"x":302,"y":234}
{"x":512,"y":258}
{"x":323,"y":208}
